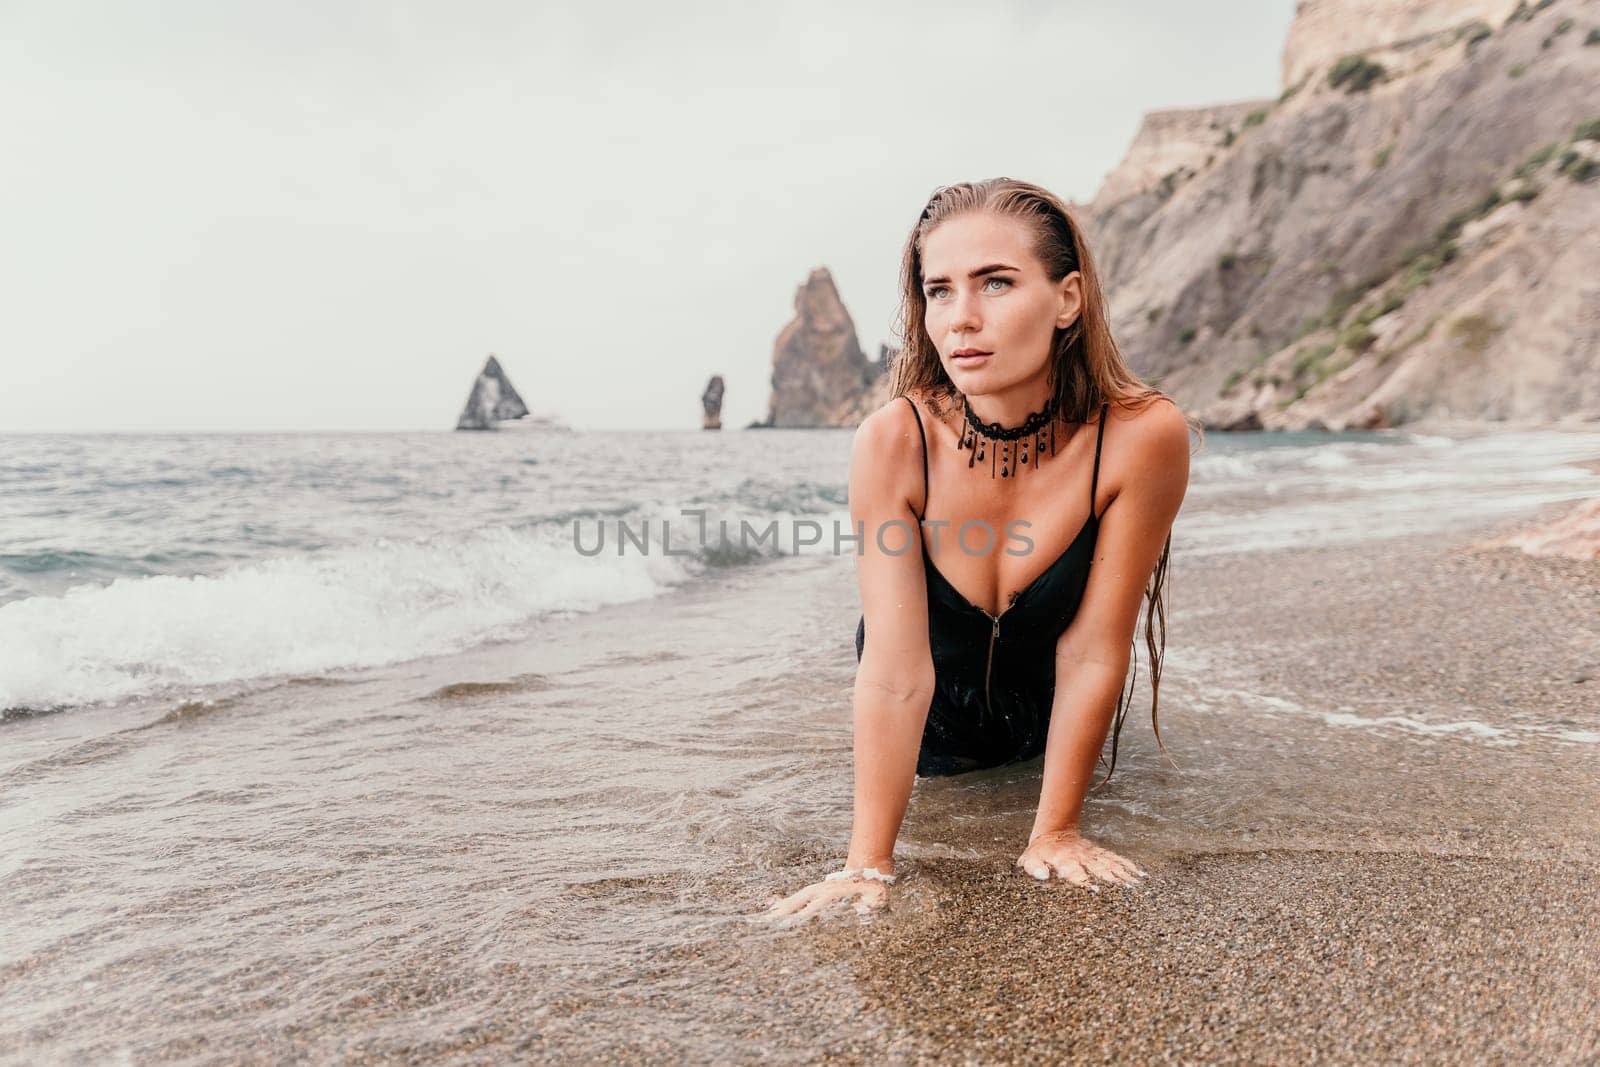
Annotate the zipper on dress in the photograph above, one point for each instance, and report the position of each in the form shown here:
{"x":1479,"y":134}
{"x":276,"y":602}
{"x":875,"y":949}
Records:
{"x":994,"y":632}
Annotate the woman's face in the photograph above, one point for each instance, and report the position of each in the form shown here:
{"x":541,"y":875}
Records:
{"x":988,"y":293}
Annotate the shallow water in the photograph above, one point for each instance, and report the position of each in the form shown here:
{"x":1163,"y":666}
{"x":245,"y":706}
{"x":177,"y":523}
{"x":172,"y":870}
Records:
{"x":239,"y":837}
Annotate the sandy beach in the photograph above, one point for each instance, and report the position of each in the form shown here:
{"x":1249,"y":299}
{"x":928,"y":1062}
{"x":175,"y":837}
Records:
{"x":1421,"y":891}
{"x":1416,"y":885}
{"x":1375,"y":840}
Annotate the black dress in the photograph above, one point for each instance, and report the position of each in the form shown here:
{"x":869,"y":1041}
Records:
{"x":994,"y":675}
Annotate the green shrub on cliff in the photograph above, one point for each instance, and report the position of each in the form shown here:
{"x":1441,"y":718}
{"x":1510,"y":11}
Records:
{"x":1390,"y":301}
{"x":1474,"y":332}
{"x":1357,"y":337}
{"x":1452,"y":226}
{"x":1577,"y":167}
{"x":1422,"y":263}
{"x":1525,"y":11}
{"x":1308,"y":358}
{"x":1540,"y":157}
{"x":1475,"y":31}
{"x":1355,"y":74}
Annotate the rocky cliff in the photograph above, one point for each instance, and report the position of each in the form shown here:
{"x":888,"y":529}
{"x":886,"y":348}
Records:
{"x":820,"y":377}
{"x":1410,"y":232}
{"x":1325,"y":31}
{"x":1173,"y":146}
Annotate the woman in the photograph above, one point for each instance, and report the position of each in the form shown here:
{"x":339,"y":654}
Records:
{"x":1017,"y":450}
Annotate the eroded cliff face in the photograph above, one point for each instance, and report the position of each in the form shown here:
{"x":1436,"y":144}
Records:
{"x":1409,"y":234}
{"x":1172,"y":146}
{"x":1325,"y":31}
{"x":820,"y":377}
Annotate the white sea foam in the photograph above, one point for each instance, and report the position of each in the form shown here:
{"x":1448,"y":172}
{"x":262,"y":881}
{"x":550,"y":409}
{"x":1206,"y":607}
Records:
{"x":353,"y":607}
{"x":1213,"y":698}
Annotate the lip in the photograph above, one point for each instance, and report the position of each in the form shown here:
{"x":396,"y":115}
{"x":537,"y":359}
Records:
{"x":969,"y":353}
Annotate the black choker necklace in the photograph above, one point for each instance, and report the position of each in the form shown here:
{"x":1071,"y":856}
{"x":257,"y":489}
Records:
{"x":981,"y":437}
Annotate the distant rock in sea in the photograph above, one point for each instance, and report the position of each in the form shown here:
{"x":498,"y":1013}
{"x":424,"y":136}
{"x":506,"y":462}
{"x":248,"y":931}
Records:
{"x":711,"y":402}
{"x":494,"y":403}
{"x":820,"y":376}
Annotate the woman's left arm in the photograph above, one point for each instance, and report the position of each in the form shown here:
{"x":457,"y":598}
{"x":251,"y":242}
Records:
{"x":1150,"y":471}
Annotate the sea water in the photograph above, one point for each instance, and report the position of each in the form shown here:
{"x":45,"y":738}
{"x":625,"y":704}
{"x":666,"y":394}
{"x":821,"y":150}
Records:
{"x":338,"y":744}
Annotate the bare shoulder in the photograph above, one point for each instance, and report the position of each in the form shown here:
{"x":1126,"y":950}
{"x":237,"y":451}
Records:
{"x":1151,"y":434}
{"x":886,"y":454}
{"x":889,"y":434}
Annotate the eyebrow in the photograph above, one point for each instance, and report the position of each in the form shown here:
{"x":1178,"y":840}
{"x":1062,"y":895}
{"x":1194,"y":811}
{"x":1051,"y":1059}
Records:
{"x":980,"y":272}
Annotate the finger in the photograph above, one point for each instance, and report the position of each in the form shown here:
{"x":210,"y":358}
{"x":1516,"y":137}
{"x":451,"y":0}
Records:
{"x":817,"y":904}
{"x":1102,"y":865}
{"x":1035,"y":866}
{"x":1126,"y":879}
{"x":792,"y":903}
{"x":1073,"y":872}
{"x":1108,"y":871}
{"x":1133,"y":871}
{"x":1114,"y":864}
{"x":1128,"y":867}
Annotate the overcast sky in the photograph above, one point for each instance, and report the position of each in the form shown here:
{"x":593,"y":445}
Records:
{"x":297,"y":216}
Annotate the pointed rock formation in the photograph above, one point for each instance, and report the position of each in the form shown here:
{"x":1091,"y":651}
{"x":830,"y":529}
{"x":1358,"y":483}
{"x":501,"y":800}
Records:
{"x":495,"y":400}
{"x":1409,"y":233}
{"x":711,"y":402}
{"x":820,"y":377}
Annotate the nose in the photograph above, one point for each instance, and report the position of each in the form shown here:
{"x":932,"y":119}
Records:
{"x":964,"y":315}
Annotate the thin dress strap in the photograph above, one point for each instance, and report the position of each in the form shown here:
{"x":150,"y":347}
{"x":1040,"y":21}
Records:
{"x":1099,"y":437}
{"x":924,"y":435}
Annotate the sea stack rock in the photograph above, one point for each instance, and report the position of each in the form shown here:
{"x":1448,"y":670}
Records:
{"x":493,"y":399}
{"x":711,"y":402}
{"x":820,"y":377}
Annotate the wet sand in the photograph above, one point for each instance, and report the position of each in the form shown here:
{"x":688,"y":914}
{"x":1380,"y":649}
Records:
{"x":1425,"y":891}
{"x":1387,"y":852}
{"x":1377,"y":842}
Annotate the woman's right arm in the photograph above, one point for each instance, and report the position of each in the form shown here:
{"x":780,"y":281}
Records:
{"x":894,"y":680}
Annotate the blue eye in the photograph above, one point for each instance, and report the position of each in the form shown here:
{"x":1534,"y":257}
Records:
{"x":933,"y":293}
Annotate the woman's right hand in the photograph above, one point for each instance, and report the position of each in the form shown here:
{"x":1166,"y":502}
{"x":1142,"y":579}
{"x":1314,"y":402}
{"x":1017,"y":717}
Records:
{"x":865,"y":895}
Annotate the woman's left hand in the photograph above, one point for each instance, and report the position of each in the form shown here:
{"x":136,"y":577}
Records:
{"x":1075,"y":858}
